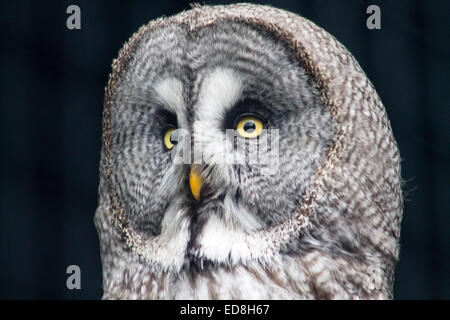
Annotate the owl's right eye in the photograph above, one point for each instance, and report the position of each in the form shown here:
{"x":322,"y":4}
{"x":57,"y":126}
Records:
{"x":169,"y":141}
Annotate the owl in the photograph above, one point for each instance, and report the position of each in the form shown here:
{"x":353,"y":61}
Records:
{"x":245,"y":155}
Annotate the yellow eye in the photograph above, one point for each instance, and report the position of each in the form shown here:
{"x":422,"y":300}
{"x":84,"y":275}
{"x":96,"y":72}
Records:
{"x":249,"y":127}
{"x":168,"y":141}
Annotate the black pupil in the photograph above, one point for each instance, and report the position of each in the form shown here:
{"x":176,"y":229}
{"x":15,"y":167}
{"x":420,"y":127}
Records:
{"x":249,"y":126}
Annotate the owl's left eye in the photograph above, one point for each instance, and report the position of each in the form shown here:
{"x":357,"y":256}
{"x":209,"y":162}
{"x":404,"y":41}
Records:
{"x":169,"y":142}
{"x":249,"y":126}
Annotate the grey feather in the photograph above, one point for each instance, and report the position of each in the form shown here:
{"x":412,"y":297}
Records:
{"x":325,"y":225}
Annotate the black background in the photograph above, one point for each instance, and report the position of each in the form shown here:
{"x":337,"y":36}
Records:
{"x":51,"y":99}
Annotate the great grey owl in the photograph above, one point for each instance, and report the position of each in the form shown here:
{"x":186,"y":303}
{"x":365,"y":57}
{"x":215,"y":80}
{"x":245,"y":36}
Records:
{"x":324,"y":224}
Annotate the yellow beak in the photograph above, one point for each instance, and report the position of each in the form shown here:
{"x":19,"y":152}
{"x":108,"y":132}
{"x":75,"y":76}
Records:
{"x":195,"y":182}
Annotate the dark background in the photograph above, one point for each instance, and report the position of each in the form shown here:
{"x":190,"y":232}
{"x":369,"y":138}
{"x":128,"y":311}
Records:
{"x":51,"y":95}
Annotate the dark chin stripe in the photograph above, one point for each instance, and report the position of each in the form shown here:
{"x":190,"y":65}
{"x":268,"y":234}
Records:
{"x":197,"y":223}
{"x":199,"y":213}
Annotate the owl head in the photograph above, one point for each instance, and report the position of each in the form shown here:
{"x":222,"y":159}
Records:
{"x":243,"y":143}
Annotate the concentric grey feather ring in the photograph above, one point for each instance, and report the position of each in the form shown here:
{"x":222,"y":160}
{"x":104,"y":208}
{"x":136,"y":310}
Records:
{"x":324,"y":225}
